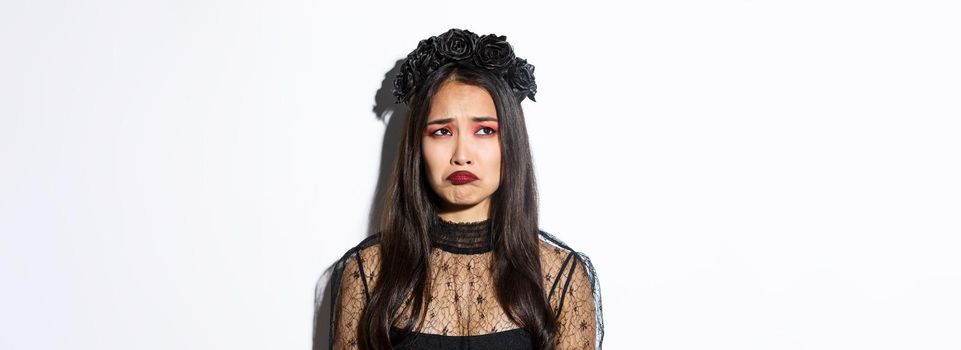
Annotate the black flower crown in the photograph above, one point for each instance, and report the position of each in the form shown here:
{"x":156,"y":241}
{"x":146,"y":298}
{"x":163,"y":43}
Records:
{"x":490,"y":52}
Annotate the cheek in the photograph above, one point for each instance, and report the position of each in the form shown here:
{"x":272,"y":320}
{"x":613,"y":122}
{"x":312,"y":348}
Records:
{"x":492,"y":162}
{"x":433,"y":159}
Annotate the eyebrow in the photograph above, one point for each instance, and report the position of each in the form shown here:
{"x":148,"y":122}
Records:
{"x":448,"y":120}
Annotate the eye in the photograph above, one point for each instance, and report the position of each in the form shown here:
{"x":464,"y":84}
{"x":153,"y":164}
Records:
{"x":485,"y":131}
{"x":441,"y":132}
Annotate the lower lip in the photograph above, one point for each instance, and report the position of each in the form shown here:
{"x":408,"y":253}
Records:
{"x":460,"y":180}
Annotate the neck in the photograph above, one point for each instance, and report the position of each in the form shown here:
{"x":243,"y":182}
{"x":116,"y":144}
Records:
{"x":474,"y":213}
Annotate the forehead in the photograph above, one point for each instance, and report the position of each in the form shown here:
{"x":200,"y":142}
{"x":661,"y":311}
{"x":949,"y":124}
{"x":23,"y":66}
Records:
{"x":458,"y":100}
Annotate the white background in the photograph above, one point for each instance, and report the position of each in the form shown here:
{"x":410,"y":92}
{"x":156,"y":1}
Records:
{"x":744,"y":174}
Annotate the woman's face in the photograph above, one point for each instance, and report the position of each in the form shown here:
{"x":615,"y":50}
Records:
{"x":461,"y":147}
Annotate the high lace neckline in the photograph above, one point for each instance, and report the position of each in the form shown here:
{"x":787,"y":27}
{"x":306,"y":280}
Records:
{"x":461,"y":237}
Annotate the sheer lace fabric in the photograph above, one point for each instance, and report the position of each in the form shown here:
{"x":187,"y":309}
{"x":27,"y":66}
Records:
{"x":463,"y":311}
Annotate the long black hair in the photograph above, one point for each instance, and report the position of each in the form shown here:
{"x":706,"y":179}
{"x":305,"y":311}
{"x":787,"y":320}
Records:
{"x":410,"y":206}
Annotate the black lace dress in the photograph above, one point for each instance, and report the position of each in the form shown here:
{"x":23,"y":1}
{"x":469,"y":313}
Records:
{"x":463,"y":312}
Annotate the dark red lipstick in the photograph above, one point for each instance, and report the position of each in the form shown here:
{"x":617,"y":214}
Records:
{"x":461,"y":177}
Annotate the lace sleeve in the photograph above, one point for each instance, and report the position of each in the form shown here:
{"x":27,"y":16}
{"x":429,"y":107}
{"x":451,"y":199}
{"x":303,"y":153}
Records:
{"x":580,"y":319}
{"x":352,"y":281}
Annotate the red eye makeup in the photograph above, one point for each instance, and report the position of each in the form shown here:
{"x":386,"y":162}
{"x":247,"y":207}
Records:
{"x":483,"y":126}
{"x":435,"y":132}
{"x":486,"y":129}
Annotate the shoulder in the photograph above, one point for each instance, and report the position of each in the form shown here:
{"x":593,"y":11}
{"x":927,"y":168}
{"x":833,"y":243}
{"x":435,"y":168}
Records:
{"x":362,"y":259}
{"x":554,"y":251}
{"x":561,"y":265}
{"x":368,"y":248}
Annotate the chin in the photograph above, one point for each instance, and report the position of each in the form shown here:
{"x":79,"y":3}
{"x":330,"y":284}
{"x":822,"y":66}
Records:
{"x":463,"y":202}
{"x":462,"y":195}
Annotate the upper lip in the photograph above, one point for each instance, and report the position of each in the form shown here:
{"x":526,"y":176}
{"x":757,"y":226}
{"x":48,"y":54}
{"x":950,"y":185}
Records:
{"x":462,"y":173}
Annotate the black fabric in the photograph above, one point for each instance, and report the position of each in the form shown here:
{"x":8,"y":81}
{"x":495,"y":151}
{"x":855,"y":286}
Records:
{"x":514,"y":339}
{"x":461,"y":238}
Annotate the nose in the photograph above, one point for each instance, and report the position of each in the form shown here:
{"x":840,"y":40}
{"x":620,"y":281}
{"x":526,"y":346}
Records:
{"x":462,"y":154}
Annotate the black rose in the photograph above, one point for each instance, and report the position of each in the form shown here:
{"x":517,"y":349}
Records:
{"x":520,"y":76}
{"x":493,"y":53}
{"x":424,"y":58}
{"x":404,"y":83}
{"x":456,"y":44}
{"x":489,"y":52}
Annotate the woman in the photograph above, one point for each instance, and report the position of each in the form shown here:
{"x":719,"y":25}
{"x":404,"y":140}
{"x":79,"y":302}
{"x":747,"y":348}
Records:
{"x":459,"y":262}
